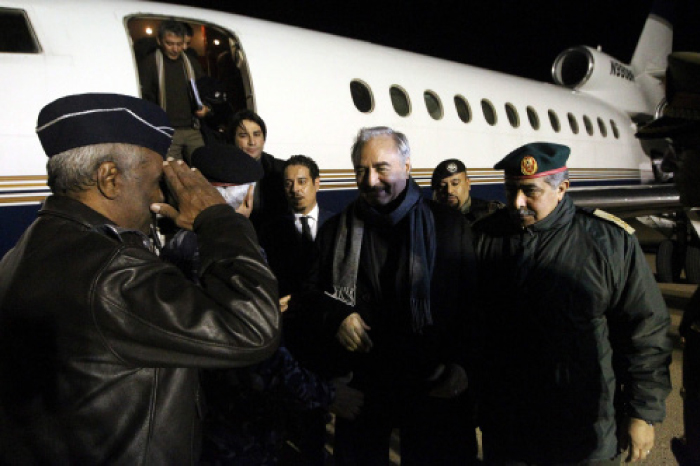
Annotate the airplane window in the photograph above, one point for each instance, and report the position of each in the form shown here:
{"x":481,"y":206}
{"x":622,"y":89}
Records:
{"x":588,"y":124}
{"x":615,"y":131}
{"x":489,"y":112}
{"x":16,"y":34}
{"x":400,"y":101}
{"x":361,"y":96}
{"x":433,"y":104}
{"x":554,"y":120}
{"x":603,"y":128}
{"x":512,"y":114}
{"x":463,"y":110}
{"x":533,"y":118}
{"x":573,"y":123}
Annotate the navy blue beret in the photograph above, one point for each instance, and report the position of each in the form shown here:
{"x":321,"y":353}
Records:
{"x":534,"y":160}
{"x":444,"y":169}
{"x":224,"y":163}
{"x":87,"y":119}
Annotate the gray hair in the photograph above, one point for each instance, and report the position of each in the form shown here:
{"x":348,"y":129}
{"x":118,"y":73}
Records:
{"x":555,"y":179}
{"x":73,"y":171}
{"x":365,"y":134}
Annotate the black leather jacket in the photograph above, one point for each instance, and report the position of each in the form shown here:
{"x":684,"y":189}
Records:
{"x":101,"y":341}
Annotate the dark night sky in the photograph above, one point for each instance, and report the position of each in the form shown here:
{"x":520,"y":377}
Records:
{"x":513,"y":36}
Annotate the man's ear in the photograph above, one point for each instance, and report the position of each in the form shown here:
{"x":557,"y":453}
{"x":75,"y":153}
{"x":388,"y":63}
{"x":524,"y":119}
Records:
{"x":408,"y":166}
{"x":561,"y":189}
{"x":108,"y":177}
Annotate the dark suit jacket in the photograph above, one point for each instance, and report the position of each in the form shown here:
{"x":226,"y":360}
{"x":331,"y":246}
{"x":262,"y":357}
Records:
{"x":282,"y":244}
{"x":270,"y":201}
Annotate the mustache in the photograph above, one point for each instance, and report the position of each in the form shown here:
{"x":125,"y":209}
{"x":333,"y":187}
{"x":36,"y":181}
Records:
{"x":372,"y":189}
{"x":521,"y":213}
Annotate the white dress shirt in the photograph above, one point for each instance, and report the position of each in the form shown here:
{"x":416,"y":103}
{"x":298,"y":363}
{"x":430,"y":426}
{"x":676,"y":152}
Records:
{"x":313,"y":221}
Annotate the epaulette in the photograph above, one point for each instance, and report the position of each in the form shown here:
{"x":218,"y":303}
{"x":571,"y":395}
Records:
{"x":613,"y":219}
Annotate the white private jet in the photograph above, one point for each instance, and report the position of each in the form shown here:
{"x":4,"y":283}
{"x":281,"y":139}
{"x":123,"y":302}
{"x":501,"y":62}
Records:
{"x":315,"y":91}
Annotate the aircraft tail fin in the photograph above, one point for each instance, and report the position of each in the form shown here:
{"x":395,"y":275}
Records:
{"x":650,"y":56}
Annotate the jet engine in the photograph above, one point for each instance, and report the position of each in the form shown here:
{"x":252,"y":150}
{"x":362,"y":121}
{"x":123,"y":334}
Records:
{"x":593,"y":72}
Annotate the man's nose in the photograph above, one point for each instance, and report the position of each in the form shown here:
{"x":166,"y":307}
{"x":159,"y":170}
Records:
{"x":519,"y":200}
{"x":373,"y":177}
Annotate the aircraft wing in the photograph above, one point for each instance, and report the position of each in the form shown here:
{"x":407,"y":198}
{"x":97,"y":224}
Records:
{"x":629,"y":201}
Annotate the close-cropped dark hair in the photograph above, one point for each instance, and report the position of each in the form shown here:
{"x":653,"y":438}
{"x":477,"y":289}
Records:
{"x":174,"y":27}
{"x":307,"y":162}
{"x":246,"y":114}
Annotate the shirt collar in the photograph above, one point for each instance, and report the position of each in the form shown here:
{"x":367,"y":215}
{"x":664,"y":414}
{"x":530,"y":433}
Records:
{"x":312,"y":214}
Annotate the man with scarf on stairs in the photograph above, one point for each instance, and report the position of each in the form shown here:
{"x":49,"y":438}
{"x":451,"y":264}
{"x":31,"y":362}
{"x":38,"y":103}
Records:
{"x":388,"y":302}
{"x":168,"y":77}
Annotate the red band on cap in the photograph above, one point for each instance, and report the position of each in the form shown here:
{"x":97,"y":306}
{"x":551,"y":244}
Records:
{"x":536,"y":175}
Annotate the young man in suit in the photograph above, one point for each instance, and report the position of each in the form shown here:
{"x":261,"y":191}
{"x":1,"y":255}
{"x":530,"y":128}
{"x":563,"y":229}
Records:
{"x":288,"y":238}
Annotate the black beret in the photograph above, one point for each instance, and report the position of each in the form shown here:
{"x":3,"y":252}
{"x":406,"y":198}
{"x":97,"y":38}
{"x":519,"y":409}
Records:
{"x":682,"y":111}
{"x":87,"y":119}
{"x":534,"y":160}
{"x":224,"y":163}
{"x":444,"y":169}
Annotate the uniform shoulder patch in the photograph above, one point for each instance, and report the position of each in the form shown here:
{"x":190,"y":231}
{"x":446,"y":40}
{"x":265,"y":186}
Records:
{"x":613,"y":219}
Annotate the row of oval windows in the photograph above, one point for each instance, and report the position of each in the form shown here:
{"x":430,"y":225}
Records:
{"x":364,"y":102}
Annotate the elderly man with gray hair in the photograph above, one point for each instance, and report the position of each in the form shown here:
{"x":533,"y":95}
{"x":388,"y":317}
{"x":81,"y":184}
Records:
{"x":389,"y":301}
{"x":101,"y":341}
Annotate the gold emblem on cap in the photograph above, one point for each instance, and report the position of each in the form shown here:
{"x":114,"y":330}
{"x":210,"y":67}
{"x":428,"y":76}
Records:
{"x":528,"y":165}
{"x":452,"y":167}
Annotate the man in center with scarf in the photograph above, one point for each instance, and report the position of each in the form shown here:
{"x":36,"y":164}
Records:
{"x":392,"y":279}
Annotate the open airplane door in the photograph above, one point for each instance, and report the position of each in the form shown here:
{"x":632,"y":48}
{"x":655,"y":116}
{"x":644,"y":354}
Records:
{"x":220,"y":55}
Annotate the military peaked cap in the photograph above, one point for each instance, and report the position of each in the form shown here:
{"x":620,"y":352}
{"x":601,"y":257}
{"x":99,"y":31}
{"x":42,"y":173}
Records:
{"x":534,"y":160}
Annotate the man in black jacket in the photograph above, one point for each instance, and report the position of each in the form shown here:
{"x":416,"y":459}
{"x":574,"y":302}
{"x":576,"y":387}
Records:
{"x":390,"y":305}
{"x":572,"y":322}
{"x":101,"y":342}
{"x":288,"y":239}
{"x":451,"y":186}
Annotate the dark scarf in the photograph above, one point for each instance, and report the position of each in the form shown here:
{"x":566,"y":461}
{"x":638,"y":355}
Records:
{"x":348,"y":243}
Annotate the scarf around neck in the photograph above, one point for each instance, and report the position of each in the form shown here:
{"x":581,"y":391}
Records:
{"x":422,"y":247}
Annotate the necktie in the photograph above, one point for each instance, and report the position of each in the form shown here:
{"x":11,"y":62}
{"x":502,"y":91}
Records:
{"x":306,"y":238}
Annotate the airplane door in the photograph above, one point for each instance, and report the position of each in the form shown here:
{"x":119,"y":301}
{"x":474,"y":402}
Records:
{"x":226,"y":86}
